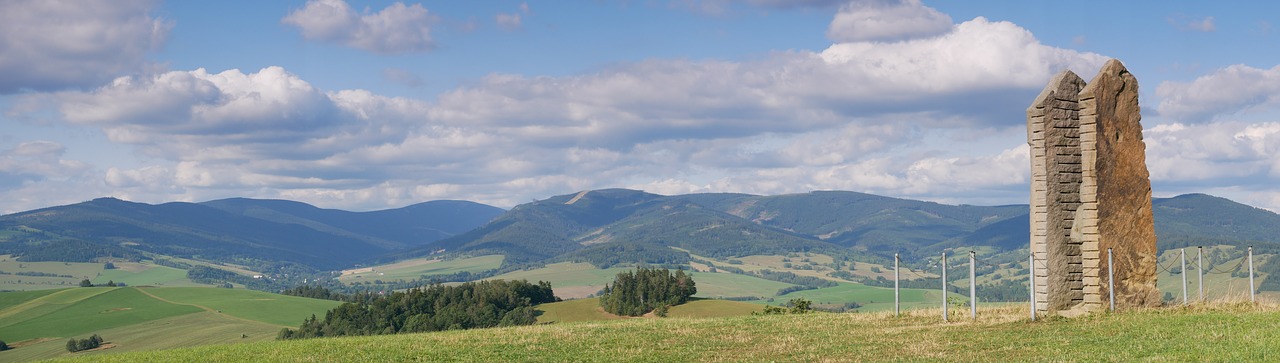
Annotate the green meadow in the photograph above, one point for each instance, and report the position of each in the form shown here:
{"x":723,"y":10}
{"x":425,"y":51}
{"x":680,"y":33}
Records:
{"x":38,"y":323}
{"x":1227,"y":333}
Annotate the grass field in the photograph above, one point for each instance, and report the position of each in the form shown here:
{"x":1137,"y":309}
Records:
{"x":415,"y":268}
{"x":114,"y":308}
{"x":589,"y":310}
{"x":871,"y":298}
{"x":131,"y":273}
{"x":1235,"y":333}
{"x":710,"y":308}
{"x":134,"y":318}
{"x":76,"y":270}
{"x":714,"y":285}
{"x":573,"y":310}
{"x":568,"y":279}
{"x":139,"y":274}
{"x":259,"y":306}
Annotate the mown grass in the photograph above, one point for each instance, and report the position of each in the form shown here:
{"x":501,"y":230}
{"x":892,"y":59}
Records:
{"x":146,"y":274}
{"x":416,"y":268}
{"x":589,"y":310}
{"x":1230,"y":333}
{"x":187,"y":330}
{"x":281,"y":310}
{"x":77,"y":270}
{"x":40,"y":305}
{"x":572,"y":311}
{"x":872,"y":298}
{"x":710,"y":308}
{"x":13,"y":298}
{"x":713,"y":285}
{"x":113,"y":308}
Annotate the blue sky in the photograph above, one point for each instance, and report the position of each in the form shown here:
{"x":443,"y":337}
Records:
{"x":379,"y":104}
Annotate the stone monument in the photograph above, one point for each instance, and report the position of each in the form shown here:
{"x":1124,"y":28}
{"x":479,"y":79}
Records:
{"x":1090,"y":192}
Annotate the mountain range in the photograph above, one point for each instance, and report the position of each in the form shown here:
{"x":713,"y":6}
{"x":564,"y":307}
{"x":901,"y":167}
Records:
{"x":619,"y":225}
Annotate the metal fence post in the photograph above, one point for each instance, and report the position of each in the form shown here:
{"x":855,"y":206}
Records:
{"x":1200,"y":268}
{"x":1184,"y":276}
{"x":1111,"y":279}
{"x":896,"y":309}
{"x":973,"y":285}
{"x":1031,"y":265}
{"x":944,"y":286}
{"x":1252,"y":297}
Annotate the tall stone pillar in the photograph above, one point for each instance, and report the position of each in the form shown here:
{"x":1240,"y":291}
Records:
{"x":1090,"y":191}
{"x":1053,"y":131}
{"x":1116,"y":191}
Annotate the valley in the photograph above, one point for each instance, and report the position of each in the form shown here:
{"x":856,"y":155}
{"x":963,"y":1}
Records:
{"x":834,"y":249}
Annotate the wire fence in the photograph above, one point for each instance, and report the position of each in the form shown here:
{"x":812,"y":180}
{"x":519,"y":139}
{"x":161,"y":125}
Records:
{"x":938,"y":268}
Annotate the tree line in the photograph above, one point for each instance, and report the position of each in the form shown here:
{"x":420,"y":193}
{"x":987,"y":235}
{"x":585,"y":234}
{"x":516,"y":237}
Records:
{"x":469,"y":305}
{"x":76,"y":345}
{"x":644,"y":290}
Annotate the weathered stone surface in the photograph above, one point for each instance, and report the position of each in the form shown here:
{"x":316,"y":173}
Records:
{"x":1110,"y":120}
{"x":1089,"y":192}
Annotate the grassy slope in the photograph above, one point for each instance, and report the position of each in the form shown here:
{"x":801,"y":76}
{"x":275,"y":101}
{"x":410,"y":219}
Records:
{"x":573,"y":310}
{"x":713,"y":285}
{"x":281,"y":310}
{"x":871,"y":298}
{"x":132,"y":273}
{"x":10,"y":299}
{"x":174,"y":332}
{"x":1236,"y":334}
{"x":136,"y":274}
{"x":415,"y":268}
{"x":114,"y":308}
{"x":589,"y":310}
{"x":132,"y":319}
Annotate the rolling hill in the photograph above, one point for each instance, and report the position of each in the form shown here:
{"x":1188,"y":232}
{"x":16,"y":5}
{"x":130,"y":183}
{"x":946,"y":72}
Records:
{"x":144,"y":318}
{"x":721,"y":225}
{"x":233,"y":230}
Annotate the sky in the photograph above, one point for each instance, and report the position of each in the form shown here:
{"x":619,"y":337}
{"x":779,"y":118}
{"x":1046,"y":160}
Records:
{"x":367,"y":105}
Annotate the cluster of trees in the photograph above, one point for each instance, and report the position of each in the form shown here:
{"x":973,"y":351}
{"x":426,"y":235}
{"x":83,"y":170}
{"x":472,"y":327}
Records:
{"x":637,"y":293}
{"x":607,"y":255}
{"x":76,"y":345}
{"x":795,"y":306}
{"x":224,"y":278}
{"x":42,"y":274}
{"x":470,"y":305}
{"x":4,"y":346}
{"x":110,"y":283}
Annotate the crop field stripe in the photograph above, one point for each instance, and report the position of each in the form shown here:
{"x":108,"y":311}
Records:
{"x":113,"y":308}
{"x":256,"y":306}
{"x":57,"y":300}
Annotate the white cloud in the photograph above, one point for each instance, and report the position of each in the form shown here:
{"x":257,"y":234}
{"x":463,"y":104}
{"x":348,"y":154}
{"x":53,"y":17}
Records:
{"x":271,"y":105}
{"x":876,"y":117}
{"x":1228,"y":91}
{"x":36,"y":161}
{"x":887,"y":21}
{"x":51,"y":45}
{"x":1235,"y":151}
{"x":396,"y":29}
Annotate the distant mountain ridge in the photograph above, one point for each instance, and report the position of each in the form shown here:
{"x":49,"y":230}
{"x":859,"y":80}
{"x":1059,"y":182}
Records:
{"x":727,"y":224}
{"x":242,"y":229}
{"x":602,"y":226}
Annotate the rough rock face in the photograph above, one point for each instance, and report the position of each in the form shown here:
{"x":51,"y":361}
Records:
{"x":1116,"y":190}
{"x":1090,"y":191}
